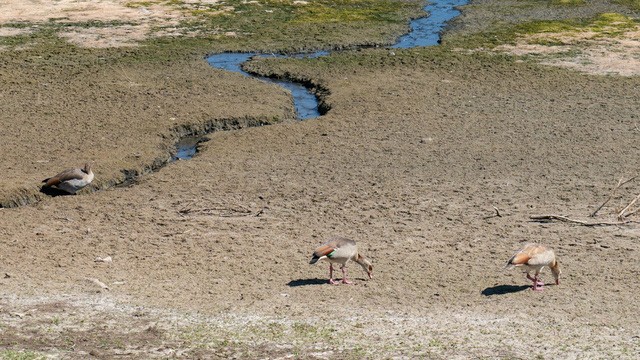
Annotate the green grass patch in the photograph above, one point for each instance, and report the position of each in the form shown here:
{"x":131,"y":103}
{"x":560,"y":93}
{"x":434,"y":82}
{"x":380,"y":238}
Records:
{"x":32,"y":36}
{"x":606,"y":25}
{"x":281,"y":25}
{"x":349,"y":11}
{"x":20,"y":355}
{"x":265,"y":26}
{"x":56,"y":23}
{"x":140,"y":4}
{"x":568,"y":2}
{"x":307,"y":332}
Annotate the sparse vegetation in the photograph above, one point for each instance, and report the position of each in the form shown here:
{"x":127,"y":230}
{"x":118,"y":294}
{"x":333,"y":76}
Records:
{"x":20,"y":355}
{"x":588,"y":44}
{"x":568,"y":2}
{"x":551,"y":32}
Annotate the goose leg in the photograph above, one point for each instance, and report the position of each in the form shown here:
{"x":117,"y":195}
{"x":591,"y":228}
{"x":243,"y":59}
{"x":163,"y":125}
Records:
{"x":331,"y":281}
{"x":344,"y":276}
{"x":537,"y":284}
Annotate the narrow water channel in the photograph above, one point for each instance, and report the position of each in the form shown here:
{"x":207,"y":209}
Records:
{"x":305,"y":102}
{"x":425,"y":31}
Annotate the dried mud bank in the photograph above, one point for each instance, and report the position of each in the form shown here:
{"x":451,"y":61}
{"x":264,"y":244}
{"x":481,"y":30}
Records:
{"x":125,"y":119}
{"x":210,"y":256}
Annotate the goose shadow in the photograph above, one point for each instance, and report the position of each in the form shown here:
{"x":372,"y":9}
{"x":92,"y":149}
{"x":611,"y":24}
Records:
{"x":504,"y":289}
{"x":305,"y":282}
{"x":52,"y":191}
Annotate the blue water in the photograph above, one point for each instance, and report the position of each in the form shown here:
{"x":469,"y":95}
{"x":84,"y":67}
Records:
{"x":305,"y":102}
{"x":186,"y":148}
{"x":425,"y":31}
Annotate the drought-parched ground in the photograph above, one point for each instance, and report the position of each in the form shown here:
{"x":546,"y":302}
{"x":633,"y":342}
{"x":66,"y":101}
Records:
{"x":209,"y":256}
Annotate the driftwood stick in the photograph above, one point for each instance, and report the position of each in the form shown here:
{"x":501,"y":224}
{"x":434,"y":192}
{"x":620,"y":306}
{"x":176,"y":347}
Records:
{"x":613,"y":192}
{"x":497,"y":214}
{"x":550,"y":218}
{"x":219,"y":211}
{"x":622,"y":215}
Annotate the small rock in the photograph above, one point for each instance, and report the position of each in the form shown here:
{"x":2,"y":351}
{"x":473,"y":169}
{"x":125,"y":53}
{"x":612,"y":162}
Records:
{"x":107,"y":259}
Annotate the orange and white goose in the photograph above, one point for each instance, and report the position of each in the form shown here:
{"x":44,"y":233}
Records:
{"x":341,"y":250}
{"x":71,"y":180}
{"x":534,"y":257}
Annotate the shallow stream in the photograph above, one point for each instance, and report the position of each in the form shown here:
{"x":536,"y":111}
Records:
{"x":425,"y":31}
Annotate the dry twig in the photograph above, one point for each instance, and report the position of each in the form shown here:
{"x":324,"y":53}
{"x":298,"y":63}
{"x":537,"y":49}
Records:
{"x":220,"y":211}
{"x":632,"y":212}
{"x":620,"y":183}
{"x":622,"y":214}
{"x":550,"y":218}
{"x":497,"y":214}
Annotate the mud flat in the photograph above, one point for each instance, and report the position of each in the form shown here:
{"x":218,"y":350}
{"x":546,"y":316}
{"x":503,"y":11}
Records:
{"x":210,"y":256}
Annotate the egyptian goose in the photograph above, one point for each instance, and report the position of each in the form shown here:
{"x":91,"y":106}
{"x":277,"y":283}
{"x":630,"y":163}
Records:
{"x":341,"y":250}
{"x":534,"y":257}
{"x":71,"y":180}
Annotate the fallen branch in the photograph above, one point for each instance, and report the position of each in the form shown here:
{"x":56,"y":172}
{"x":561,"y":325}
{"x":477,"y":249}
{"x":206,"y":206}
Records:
{"x":220,"y":211}
{"x":613,"y":192}
{"x":551,"y":218}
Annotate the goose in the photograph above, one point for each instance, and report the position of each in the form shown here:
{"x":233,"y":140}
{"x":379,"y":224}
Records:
{"x":534,"y":257}
{"x":71,"y":180}
{"x":341,"y":250}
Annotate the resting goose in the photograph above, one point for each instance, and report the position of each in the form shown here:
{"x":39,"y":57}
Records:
{"x":534,"y":257}
{"x":71,"y":180}
{"x":341,"y":250}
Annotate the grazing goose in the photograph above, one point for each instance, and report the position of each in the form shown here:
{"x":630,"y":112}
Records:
{"x":341,"y":250}
{"x":534,"y":257}
{"x":71,"y":180}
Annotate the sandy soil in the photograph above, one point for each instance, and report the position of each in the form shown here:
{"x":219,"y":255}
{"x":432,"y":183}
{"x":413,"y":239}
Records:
{"x":610,"y":49}
{"x":210,"y":256}
{"x":596,"y":54}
